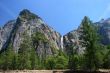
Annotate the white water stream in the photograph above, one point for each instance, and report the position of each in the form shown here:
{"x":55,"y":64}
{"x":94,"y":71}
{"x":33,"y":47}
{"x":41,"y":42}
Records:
{"x":62,"y":42}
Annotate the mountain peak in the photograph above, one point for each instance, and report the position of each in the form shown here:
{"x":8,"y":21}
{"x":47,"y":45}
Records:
{"x":26,"y":14}
{"x":25,"y":11}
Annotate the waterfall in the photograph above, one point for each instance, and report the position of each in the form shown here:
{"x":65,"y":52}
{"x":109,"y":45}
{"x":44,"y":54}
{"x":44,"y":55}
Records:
{"x":62,"y":42}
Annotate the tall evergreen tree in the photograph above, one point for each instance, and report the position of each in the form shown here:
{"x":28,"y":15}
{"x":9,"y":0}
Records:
{"x":90,"y":42}
{"x":38,"y":38}
{"x":107,"y":61}
{"x":33,"y":59}
{"x":107,"y":58}
{"x":61,"y":60}
{"x":24,"y":53}
{"x":50,"y":62}
{"x":7,"y":57}
{"x":71,"y":59}
{"x":74,"y":62}
{"x":14,"y":62}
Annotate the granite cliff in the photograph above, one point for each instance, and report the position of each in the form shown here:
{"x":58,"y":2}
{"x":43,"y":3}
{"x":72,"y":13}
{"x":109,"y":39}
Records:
{"x":29,"y":23}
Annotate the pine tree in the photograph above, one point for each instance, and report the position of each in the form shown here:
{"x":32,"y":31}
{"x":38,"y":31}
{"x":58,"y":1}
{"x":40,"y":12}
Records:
{"x":2,"y":59}
{"x":71,"y":59}
{"x":14,"y":62}
{"x":7,"y":57}
{"x":106,"y":59}
{"x":50,"y":62}
{"x":61,"y":62}
{"x":24,"y":53}
{"x":33,"y":59}
{"x":90,"y":42}
{"x":74,"y":62}
{"x":38,"y":38}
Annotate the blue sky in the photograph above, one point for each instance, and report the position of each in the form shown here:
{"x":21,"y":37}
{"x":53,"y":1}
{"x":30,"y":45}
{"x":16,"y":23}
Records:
{"x":62,"y":15}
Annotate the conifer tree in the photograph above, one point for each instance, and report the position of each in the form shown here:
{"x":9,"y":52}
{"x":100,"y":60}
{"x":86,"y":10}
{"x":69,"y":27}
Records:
{"x":90,"y":42}
{"x":24,"y":53}
{"x":7,"y":57}
{"x":50,"y":62}
{"x":33,"y":59}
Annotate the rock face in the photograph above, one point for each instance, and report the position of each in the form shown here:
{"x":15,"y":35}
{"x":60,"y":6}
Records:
{"x":5,"y":32}
{"x":72,"y":41}
{"x":104,"y":30}
{"x":29,"y":23}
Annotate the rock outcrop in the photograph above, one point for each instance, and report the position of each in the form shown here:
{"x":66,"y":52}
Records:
{"x":29,"y":23}
{"x":72,"y":41}
{"x":104,"y":30}
{"x":5,"y":32}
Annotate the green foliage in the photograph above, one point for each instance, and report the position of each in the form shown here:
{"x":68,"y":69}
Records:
{"x":75,"y":59}
{"x":95,"y":54}
{"x":50,"y":62}
{"x":33,"y":59}
{"x":106,"y":60}
{"x":6,"y":58}
{"x":75,"y":62}
{"x":100,"y":55}
{"x":38,"y":36}
{"x":14,"y":62}
{"x":90,"y":41}
{"x":26,"y":58}
{"x":24,"y":53}
{"x":61,"y":62}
